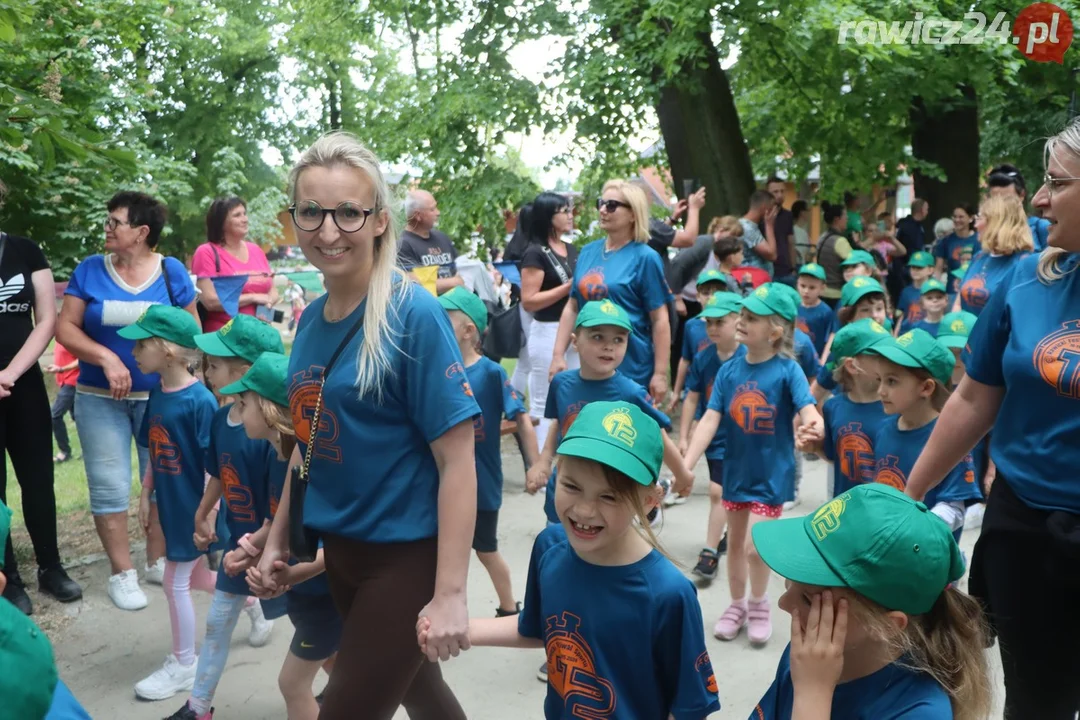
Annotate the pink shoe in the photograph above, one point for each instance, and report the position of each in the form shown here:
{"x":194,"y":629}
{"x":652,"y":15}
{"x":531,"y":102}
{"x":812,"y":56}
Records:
{"x":760,"y":623}
{"x":731,"y":622}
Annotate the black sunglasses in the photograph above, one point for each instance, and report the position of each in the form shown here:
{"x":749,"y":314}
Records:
{"x":610,"y":206}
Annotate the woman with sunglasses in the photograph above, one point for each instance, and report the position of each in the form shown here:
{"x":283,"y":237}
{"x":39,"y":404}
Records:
{"x":621,"y":267}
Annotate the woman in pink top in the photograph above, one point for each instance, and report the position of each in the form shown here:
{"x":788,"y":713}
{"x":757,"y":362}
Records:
{"x":227,"y":252}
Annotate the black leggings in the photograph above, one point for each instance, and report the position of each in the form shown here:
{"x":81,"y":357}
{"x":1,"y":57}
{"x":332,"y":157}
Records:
{"x":379,"y":590}
{"x":26,"y":436}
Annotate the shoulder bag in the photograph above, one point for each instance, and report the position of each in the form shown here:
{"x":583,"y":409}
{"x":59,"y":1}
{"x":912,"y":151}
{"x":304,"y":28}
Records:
{"x":304,"y":542}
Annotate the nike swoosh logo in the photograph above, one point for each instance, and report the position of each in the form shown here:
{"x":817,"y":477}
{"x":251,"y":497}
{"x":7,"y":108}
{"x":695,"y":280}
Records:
{"x":306,"y":645}
{"x":12,"y":287}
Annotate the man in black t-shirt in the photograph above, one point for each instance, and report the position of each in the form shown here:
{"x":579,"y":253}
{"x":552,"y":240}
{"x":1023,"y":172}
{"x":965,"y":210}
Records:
{"x":423,"y":246}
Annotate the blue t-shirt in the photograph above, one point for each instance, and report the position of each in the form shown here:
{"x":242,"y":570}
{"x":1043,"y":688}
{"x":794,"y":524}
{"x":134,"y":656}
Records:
{"x":112,"y":304}
{"x":176,"y":429}
{"x":633,"y":278}
{"x":956,"y":251}
{"x":1027,"y":340}
{"x":497,"y":399}
{"x":805,"y":354}
{"x":983,"y":276}
{"x":895,"y":453}
{"x":825,"y":379}
{"x":892,"y":693}
{"x":569,"y":392}
{"x":373,"y":476}
{"x":695,"y":338}
{"x":818,"y":322}
{"x":850,"y":429}
{"x":596,"y":668}
{"x":924,"y":324}
{"x":759,"y":402}
{"x":700,"y":379}
{"x":910,"y":303}
{"x":65,"y":706}
{"x":1040,"y":232}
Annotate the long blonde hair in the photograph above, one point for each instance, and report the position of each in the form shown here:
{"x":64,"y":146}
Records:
{"x":639,"y":206}
{"x":1051,"y":259}
{"x":278,"y":418}
{"x":1006,"y":230}
{"x":388,"y":285}
{"x":785,"y":344}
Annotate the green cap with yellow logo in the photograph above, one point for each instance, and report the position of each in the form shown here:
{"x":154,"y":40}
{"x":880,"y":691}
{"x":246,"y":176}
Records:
{"x":813,"y":270}
{"x":721,"y":305}
{"x":619,"y":435}
{"x":712,"y":275}
{"x":954,"y":329}
{"x":167,"y":322}
{"x":771,"y":299}
{"x":921,"y":259}
{"x":267,"y":376}
{"x":961,"y":271}
{"x":872,"y":539}
{"x":855,"y":339}
{"x":932,"y":285}
{"x":602,"y":312}
{"x":857,"y":288}
{"x":917,"y":349}
{"x":859,"y":257}
{"x":463,"y":300}
{"x":245,"y":337}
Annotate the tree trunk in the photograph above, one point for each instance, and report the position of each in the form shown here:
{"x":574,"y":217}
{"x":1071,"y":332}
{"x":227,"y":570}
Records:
{"x":704,"y":140}
{"x":947,"y":134}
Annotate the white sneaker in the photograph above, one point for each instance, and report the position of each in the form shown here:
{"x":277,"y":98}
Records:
{"x":169,"y":680}
{"x":260,"y":626}
{"x":125,"y":592}
{"x":973,"y":516}
{"x":155,"y":573}
{"x":790,"y":504}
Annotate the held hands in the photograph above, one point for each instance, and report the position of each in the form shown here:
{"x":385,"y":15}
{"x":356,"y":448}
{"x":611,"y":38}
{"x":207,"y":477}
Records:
{"x":684,"y":481}
{"x":537,"y":477}
{"x":658,"y":388}
{"x":237,"y":561}
{"x":267,"y":566}
{"x":278,"y":583}
{"x":808,"y":434}
{"x":447,"y":627}
{"x":817,"y":653}
{"x":204,"y":533}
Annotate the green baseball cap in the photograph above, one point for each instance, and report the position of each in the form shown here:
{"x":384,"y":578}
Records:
{"x":709,"y":276}
{"x":813,"y":270}
{"x":932,"y":285}
{"x":855,"y":339}
{"x":619,"y":435}
{"x":166,"y":322}
{"x":267,"y":376}
{"x":918,"y":349}
{"x":872,"y":539}
{"x":921,"y":259}
{"x":602,"y":312}
{"x":245,"y":337}
{"x":768,"y":299}
{"x":27,"y":669}
{"x":955,"y":328}
{"x":857,"y":288}
{"x":859,"y":257}
{"x":721,"y":305}
{"x":467,"y":302}
{"x":961,"y":271}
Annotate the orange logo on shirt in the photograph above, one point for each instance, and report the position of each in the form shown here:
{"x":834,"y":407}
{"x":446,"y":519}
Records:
{"x":974,"y":291}
{"x":592,"y":285}
{"x":889,"y":473}
{"x":238,"y":499}
{"x":704,"y":667}
{"x":962,"y":253}
{"x":969,"y":474}
{"x":856,"y":453}
{"x":914,"y":312}
{"x":801,"y":325}
{"x":479,"y":434}
{"x":164,"y":453}
{"x":572,"y":670}
{"x":1057,"y":358}
{"x":303,"y":396}
{"x":570,"y":416}
{"x":751,"y":411}
{"x":457,"y":370}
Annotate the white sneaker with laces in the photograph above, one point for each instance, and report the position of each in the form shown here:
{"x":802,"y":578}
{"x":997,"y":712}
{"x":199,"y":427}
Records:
{"x":155,"y":573}
{"x":172,"y":678}
{"x":125,"y":592}
{"x":260,"y":626}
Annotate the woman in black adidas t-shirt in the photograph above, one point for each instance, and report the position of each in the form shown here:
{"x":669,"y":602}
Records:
{"x":27,"y":321}
{"x":547,"y":271}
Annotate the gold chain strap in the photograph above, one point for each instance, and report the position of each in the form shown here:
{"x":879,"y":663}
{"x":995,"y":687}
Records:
{"x":316,"y":417}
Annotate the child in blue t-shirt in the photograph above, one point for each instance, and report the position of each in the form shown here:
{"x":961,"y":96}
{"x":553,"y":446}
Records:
{"x":695,"y":339}
{"x":860,"y":298}
{"x":921,"y":267}
{"x":601,"y":335}
{"x":238,"y":472}
{"x":621,"y":624}
{"x":816,"y":318}
{"x":720,"y":316}
{"x":877,"y":628}
{"x":934,"y":304}
{"x":497,"y":399}
{"x":175,"y":430}
{"x":755,"y":400}
{"x":915,"y":374}
{"x":853,"y":417}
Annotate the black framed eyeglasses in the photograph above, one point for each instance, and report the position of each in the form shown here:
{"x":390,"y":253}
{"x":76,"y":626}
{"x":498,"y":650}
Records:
{"x":309,"y":216}
{"x":610,"y":206}
{"x":112,"y":223}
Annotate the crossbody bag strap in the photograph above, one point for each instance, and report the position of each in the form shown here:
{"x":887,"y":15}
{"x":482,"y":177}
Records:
{"x":560,"y":270}
{"x":3,"y":244}
{"x":217,"y":259}
{"x":317,"y":415}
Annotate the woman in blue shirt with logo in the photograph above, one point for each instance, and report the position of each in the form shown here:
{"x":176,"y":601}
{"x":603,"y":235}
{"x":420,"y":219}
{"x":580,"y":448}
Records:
{"x":1023,"y":380}
{"x":955,"y":249}
{"x":392,"y":489}
{"x":1005,"y":238}
{"x":624,"y":269}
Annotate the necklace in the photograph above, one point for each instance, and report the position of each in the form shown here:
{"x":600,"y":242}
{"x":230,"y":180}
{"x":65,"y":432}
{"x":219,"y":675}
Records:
{"x":350,"y":308}
{"x":608,"y":252}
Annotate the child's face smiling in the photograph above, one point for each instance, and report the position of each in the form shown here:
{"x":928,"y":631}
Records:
{"x":934,"y":302}
{"x":595,"y":518}
{"x":602,"y":348}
